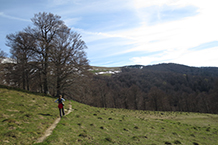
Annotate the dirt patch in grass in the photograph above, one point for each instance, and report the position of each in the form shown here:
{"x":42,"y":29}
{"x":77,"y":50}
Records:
{"x":12,"y":110}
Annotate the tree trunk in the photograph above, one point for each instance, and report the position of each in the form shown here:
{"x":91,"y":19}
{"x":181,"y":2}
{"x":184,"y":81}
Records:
{"x":45,"y":73}
{"x":27,"y":80}
{"x":23,"y":76}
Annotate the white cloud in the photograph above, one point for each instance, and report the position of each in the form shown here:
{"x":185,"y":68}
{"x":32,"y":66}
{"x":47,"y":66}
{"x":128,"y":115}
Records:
{"x":96,"y":36}
{"x":205,"y":57}
{"x":87,"y":7}
{"x":12,"y":17}
{"x":72,"y":21}
{"x":53,"y":3}
{"x":174,"y":38}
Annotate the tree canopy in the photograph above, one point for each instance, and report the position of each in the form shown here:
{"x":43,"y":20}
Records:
{"x":49,"y":55}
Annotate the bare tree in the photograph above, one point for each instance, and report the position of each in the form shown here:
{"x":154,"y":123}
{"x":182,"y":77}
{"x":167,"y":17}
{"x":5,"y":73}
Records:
{"x":55,"y":53}
{"x":21,"y":44}
{"x":68,"y":59}
{"x":2,"y":55}
{"x":46,"y":27}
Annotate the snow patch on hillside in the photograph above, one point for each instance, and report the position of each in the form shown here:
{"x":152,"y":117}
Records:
{"x":107,"y":72}
{"x":7,"y":60}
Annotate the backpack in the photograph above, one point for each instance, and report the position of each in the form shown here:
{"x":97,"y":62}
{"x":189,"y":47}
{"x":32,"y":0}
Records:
{"x":60,"y":101}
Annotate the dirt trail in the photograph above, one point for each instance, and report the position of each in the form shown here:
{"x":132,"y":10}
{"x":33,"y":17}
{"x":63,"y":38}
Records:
{"x":52,"y":127}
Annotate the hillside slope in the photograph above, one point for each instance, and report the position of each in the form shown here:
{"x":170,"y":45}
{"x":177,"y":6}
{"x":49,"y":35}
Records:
{"x":180,"y":69}
{"x":162,"y":87}
{"x":99,"y":126}
{"x":24,"y":116}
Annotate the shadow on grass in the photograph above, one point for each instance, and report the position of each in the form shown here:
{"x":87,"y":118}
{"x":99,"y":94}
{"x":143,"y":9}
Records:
{"x":45,"y":114}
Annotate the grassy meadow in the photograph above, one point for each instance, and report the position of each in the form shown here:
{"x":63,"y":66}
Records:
{"x":97,"y":126}
{"x":24,"y":117}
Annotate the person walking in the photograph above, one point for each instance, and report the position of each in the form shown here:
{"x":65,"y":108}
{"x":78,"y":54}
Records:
{"x":61,"y":105}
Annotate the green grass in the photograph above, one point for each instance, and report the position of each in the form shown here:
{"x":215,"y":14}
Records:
{"x":24,"y":117}
{"x":97,"y":126}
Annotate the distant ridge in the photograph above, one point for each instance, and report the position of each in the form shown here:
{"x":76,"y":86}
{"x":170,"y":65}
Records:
{"x":178,"y":68}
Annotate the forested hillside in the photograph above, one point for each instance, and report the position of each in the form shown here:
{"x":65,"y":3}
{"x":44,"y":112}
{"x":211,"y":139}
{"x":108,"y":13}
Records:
{"x":178,"y":68}
{"x":165,"y":87}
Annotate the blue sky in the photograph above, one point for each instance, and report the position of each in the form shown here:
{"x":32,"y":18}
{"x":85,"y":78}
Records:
{"x":127,"y":32}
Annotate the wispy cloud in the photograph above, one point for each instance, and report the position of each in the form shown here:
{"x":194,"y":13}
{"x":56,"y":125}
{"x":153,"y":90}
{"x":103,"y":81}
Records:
{"x":177,"y":27}
{"x":72,"y":21}
{"x":176,"y":36}
{"x":167,"y":29}
{"x":205,"y":57}
{"x":12,"y":17}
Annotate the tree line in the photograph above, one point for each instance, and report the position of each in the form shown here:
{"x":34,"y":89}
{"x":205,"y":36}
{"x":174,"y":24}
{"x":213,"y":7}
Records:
{"x":49,"y":57}
{"x":148,"y":89}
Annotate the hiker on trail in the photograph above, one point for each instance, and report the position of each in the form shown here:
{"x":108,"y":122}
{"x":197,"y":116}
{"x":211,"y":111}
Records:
{"x":60,"y":105}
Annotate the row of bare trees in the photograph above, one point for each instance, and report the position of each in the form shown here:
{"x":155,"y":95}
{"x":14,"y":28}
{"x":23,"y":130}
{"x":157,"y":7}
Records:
{"x":49,"y":56}
{"x":153,"y":90}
